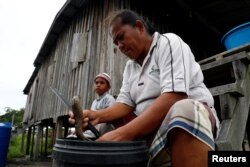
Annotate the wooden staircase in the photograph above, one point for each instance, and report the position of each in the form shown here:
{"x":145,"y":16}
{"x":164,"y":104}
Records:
{"x":227,"y":75}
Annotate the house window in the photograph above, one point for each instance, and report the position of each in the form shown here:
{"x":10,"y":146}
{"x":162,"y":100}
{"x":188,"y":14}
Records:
{"x":78,"y":49}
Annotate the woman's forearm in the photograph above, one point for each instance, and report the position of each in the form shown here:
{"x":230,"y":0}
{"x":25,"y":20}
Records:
{"x":151,"y":119}
{"x":116,"y":111}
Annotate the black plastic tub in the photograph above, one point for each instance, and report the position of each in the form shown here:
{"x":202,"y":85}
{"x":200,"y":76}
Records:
{"x":76,"y":153}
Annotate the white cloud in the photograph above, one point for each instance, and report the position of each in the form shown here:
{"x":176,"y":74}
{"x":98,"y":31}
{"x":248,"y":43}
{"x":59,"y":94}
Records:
{"x":24,"y":25}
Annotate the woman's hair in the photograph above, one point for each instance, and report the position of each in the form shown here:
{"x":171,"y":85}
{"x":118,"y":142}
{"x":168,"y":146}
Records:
{"x":129,"y":17}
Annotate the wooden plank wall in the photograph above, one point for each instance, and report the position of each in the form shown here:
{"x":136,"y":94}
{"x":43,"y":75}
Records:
{"x":101,"y":56}
{"x":56,"y":70}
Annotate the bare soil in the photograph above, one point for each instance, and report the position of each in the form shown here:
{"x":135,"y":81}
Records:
{"x":24,"y":162}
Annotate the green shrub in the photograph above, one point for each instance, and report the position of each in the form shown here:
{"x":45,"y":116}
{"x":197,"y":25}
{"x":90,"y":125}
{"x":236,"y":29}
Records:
{"x":49,"y":145}
{"x":15,"y":148}
{"x":16,"y":142}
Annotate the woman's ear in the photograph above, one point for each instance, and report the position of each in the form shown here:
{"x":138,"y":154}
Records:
{"x":139,"y":24}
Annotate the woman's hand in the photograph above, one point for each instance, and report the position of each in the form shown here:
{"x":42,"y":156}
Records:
{"x":116,"y":135}
{"x":88,"y":116}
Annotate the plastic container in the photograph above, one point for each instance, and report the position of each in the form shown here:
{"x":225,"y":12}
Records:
{"x":76,"y":153}
{"x":5,"y":132}
{"x":237,"y":36}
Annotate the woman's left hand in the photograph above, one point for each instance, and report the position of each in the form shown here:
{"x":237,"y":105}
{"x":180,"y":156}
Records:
{"x":115,"y":135}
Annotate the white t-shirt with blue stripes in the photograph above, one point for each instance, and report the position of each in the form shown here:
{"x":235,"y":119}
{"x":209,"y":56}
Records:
{"x":170,"y":66}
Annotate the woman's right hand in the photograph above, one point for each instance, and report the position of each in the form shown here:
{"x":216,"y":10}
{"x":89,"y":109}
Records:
{"x":88,"y":116}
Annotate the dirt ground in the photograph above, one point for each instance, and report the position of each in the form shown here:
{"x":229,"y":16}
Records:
{"x":27,"y":163}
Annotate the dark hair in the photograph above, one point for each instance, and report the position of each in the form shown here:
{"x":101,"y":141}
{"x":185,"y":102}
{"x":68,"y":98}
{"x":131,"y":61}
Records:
{"x":130,"y":17}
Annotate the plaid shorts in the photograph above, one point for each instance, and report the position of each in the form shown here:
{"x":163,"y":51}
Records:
{"x":192,"y":116}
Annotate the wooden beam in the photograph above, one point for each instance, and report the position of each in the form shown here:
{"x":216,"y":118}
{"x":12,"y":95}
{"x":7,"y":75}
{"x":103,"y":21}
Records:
{"x":32,"y":143}
{"x":23,"y":138}
{"x":219,"y":61}
{"x":46,"y":142}
{"x":59,"y":132}
{"x":37,"y":145}
{"x":42,"y":145}
{"x":233,"y":130}
{"x":199,"y":17}
{"x":28,"y":141}
{"x":242,"y":48}
{"x":232,"y":88}
{"x":227,"y":105}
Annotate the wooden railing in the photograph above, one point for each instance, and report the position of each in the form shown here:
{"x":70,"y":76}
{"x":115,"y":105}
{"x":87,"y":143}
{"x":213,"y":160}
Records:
{"x":227,"y":75}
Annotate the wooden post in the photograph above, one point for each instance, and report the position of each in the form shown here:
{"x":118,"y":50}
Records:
{"x":23,"y":138}
{"x":59,"y":126}
{"x":66,"y":129}
{"x":46,"y":142}
{"x":41,"y":149}
{"x":32,"y":143}
{"x":54,"y":134}
{"x":28,"y":141}
{"x":248,"y":127}
{"x":38,"y":142}
{"x":227,"y":105}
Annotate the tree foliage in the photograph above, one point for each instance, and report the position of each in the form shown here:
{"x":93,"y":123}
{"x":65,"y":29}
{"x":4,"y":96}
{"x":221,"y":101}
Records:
{"x":12,"y":114}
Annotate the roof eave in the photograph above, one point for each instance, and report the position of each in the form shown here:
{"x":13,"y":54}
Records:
{"x":69,"y":9}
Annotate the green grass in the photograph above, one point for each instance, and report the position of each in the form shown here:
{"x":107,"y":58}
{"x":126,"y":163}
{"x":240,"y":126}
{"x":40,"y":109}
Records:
{"x":50,"y":146}
{"x":15,"y":148}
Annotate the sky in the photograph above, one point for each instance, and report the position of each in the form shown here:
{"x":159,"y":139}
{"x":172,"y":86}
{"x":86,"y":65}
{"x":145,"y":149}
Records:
{"x":23,"y":27}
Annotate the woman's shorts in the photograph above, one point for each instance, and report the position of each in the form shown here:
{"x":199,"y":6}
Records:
{"x":192,"y":116}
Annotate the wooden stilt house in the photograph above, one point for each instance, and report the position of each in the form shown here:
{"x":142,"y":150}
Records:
{"x":78,"y":46}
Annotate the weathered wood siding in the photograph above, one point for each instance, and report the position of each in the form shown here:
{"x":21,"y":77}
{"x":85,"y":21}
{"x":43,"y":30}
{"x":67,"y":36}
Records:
{"x":76,"y":78}
{"x":228,"y":76}
{"x":72,"y":72}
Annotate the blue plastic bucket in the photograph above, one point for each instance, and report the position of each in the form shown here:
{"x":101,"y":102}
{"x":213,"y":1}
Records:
{"x":5,"y":132}
{"x":237,"y":36}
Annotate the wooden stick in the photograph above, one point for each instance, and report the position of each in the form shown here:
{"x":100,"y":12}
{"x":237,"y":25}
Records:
{"x":77,"y":110}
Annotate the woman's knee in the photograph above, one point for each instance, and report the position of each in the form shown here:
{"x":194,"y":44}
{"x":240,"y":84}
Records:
{"x":183,"y":105}
{"x":187,"y":150}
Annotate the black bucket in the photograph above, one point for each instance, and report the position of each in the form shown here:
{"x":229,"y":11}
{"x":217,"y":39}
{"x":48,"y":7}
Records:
{"x":76,"y":153}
